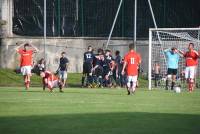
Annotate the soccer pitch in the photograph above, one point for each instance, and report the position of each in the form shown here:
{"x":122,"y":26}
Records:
{"x":98,"y":111}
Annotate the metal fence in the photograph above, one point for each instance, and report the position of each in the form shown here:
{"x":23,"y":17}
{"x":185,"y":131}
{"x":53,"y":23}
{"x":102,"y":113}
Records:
{"x":93,"y":18}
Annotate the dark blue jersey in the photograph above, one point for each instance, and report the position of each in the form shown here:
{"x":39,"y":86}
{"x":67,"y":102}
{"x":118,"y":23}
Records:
{"x":99,"y":60}
{"x":63,"y":64}
{"x":118,"y":61}
{"x":107,"y":61}
{"x":88,"y":57}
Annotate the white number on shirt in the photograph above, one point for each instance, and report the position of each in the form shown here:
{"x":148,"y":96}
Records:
{"x":88,"y":56}
{"x":132,"y":60}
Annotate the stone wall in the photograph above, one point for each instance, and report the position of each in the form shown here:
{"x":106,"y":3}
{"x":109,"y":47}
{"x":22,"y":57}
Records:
{"x":74,"y":47}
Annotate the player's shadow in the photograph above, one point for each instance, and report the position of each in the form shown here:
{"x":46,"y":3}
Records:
{"x":101,"y":123}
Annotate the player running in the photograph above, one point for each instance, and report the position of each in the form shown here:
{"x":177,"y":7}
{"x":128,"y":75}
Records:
{"x":51,"y":81}
{"x":191,"y":62}
{"x":172,"y":57}
{"x":131,"y":62}
{"x":26,"y":54}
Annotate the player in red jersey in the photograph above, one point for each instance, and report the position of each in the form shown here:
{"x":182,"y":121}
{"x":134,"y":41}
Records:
{"x":131,"y":62}
{"x":26,"y":61}
{"x":191,"y":62}
{"x":51,"y":81}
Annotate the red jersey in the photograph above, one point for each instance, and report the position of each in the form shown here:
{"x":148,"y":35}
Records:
{"x":26,"y":57}
{"x":132,"y":59}
{"x":49,"y":76}
{"x":191,"y":58}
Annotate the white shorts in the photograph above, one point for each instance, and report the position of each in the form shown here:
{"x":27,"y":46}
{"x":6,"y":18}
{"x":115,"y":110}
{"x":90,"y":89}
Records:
{"x":63,"y":75}
{"x":132,"y":79}
{"x":25,"y":70}
{"x":53,"y":84}
{"x":190,"y":72}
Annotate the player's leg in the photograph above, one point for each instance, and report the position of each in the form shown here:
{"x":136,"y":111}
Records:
{"x":61,"y":76}
{"x":64,"y":81}
{"x":156,"y":79}
{"x":83,"y":79}
{"x":134,"y":83}
{"x":43,"y":83}
{"x":89,"y":74}
{"x":137,"y":83}
{"x":24,"y":74}
{"x":187,"y":73}
{"x":128,"y":84}
{"x":106,"y":76}
{"x":98,"y":73}
{"x":169,"y":77}
{"x":174,"y":73}
{"x":57,"y":83}
{"x":83,"y":75}
{"x":28,"y":72}
{"x":173,"y":81}
{"x":50,"y":85}
{"x":191,"y":78}
{"x":60,"y":85}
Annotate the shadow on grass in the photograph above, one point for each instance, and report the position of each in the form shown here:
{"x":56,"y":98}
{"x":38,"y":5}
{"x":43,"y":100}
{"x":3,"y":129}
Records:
{"x":108,"y":123}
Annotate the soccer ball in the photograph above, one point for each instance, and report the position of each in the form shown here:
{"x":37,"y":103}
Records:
{"x":177,"y":89}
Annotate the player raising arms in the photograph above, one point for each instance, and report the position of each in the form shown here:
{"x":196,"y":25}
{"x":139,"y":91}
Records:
{"x":172,"y":66}
{"x":131,"y":62}
{"x":191,"y":62}
{"x":51,"y":81}
{"x":26,"y":61}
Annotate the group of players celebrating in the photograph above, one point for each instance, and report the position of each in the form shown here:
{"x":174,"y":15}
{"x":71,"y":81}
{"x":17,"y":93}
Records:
{"x":102,"y":70}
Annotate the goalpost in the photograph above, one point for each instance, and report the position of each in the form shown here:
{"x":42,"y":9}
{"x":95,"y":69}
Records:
{"x":164,"y":38}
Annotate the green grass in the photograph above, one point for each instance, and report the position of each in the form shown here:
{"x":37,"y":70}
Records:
{"x":98,"y":111}
{"x":9,"y":78}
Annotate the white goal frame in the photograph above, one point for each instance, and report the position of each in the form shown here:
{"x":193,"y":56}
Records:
{"x":151,"y":30}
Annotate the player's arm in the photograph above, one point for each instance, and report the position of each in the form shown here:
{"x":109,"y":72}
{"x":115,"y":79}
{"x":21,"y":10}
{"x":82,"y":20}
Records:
{"x":197,"y":54}
{"x":35,"y":49}
{"x":181,"y":53}
{"x":67,"y":65}
{"x":166,"y":50}
{"x":18,"y":46}
{"x":123,"y":68}
{"x":112,"y":65}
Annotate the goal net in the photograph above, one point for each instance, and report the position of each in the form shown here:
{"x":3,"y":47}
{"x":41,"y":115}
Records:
{"x":166,"y":38}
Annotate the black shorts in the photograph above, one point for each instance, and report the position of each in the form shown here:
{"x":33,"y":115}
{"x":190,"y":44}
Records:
{"x":87,"y":68}
{"x":171,"y":71}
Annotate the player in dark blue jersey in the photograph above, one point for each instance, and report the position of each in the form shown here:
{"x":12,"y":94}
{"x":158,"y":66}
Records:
{"x":98,"y":67}
{"x":88,"y":65}
{"x":108,"y":68}
{"x":118,"y":68}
